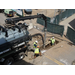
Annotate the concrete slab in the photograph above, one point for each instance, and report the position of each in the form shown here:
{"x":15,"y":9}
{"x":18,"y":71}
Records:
{"x":66,"y":22}
{"x":43,"y":61}
{"x":62,"y":52}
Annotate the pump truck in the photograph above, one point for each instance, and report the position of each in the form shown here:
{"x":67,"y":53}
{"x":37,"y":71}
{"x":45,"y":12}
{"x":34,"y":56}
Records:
{"x":14,"y":39}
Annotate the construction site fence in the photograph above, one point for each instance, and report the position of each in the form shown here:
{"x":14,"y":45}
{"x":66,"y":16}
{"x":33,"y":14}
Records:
{"x":71,"y":34}
{"x":58,"y":29}
{"x":63,"y":15}
{"x":40,"y":20}
{"x":60,"y":17}
{"x":53,"y":28}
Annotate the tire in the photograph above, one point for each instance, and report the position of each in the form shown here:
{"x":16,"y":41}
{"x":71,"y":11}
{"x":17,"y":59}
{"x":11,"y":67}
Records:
{"x":8,"y":61}
{"x":21,"y":55}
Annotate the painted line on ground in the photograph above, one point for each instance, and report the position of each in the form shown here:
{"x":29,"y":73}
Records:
{"x":54,"y":60}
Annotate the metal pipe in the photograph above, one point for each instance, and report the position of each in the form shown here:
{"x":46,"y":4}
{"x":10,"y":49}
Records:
{"x":18,"y":28}
{"x":45,"y":18}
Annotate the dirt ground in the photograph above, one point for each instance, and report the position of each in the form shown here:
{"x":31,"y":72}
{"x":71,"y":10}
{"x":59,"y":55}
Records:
{"x":48,"y":12}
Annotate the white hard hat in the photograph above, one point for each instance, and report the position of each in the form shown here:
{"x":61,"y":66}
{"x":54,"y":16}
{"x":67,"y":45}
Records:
{"x":53,"y":37}
{"x":36,"y":41}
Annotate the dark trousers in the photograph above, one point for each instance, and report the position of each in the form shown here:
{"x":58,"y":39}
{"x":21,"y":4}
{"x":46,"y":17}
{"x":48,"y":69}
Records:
{"x":36,"y":55}
{"x":52,"y":44}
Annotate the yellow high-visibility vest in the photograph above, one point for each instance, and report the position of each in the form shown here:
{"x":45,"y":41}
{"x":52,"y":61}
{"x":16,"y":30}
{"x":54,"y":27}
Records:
{"x":36,"y":50}
{"x":53,"y":41}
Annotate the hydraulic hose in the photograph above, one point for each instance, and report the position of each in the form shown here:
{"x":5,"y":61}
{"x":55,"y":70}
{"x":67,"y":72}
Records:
{"x":39,"y":35}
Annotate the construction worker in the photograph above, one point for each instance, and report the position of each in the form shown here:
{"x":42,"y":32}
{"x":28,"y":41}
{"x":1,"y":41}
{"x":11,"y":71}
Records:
{"x":35,"y":44}
{"x":52,"y":41}
{"x":37,"y":52}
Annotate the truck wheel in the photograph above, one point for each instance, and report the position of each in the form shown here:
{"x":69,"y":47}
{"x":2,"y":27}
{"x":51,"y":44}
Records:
{"x":8,"y":61}
{"x":21,"y":55}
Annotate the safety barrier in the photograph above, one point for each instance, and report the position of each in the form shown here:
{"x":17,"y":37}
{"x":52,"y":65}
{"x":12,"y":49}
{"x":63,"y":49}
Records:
{"x":59,"y":17}
{"x":71,"y":34}
{"x":58,"y":29}
{"x":55,"y":20}
{"x":54,"y":28}
{"x":41,"y":21}
{"x":63,"y":15}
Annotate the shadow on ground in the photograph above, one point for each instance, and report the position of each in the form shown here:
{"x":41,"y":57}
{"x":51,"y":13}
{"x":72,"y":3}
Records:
{"x":21,"y":62}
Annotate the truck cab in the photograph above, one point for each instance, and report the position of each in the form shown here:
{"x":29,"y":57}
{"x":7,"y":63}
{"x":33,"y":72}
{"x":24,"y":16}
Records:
{"x":8,"y":12}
